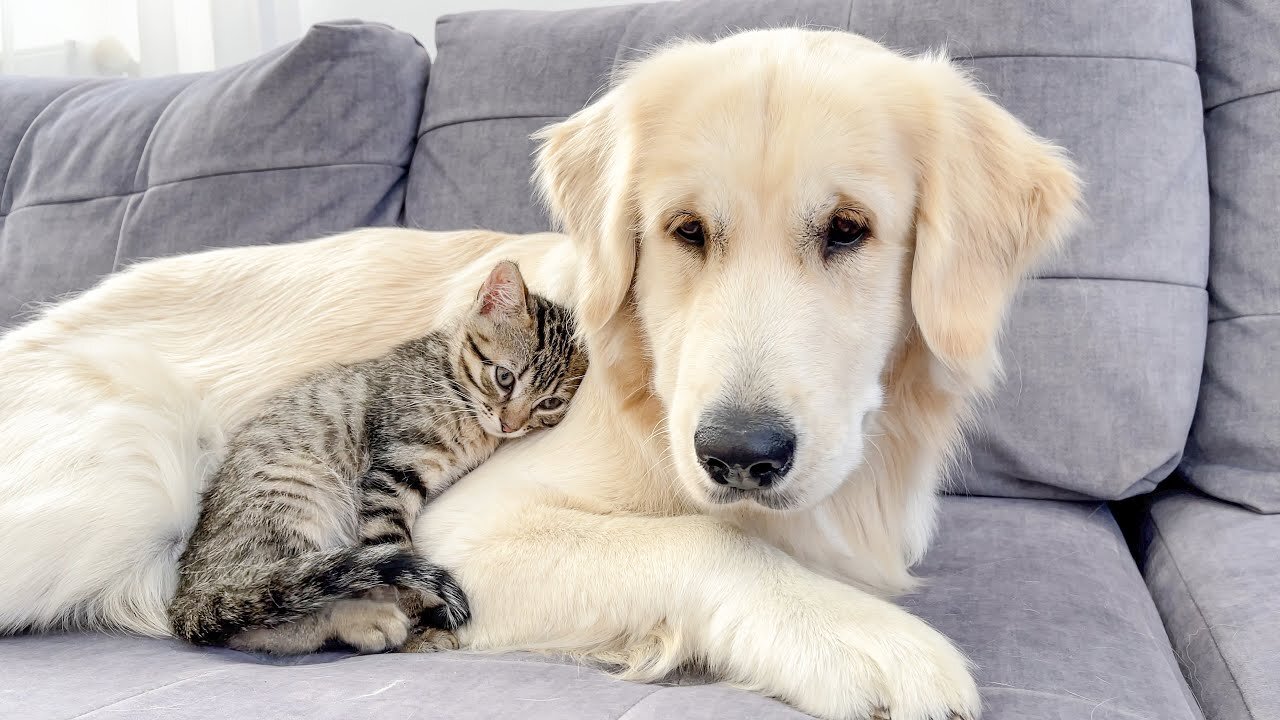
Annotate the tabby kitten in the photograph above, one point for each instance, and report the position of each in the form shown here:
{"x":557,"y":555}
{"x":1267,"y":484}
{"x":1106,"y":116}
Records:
{"x":304,"y":531}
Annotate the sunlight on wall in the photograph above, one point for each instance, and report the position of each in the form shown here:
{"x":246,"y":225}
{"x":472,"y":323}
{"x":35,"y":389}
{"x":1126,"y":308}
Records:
{"x":60,"y":36}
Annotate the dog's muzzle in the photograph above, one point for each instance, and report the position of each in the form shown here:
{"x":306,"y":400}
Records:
{"x":742,"y":449}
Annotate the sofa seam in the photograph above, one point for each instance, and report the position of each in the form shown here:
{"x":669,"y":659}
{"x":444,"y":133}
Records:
{"x":464,"y":121}
{"x":148,"y":691}
{"x":124,"y":219}
{"x":1064,"y":56}
{"x":1208,"y":627}
{"x":1243,"y":316}
{"x":8,"y":173}
{"x":1246,"y":96}
{"x":209,"y":176}
{"x":623,"y":715}
{"x":146,"y":144}
{"x":1095,"y":278}
{"x":143,"y":159}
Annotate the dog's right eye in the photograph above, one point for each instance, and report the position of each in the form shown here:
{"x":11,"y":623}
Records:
{"x":691,"y":232}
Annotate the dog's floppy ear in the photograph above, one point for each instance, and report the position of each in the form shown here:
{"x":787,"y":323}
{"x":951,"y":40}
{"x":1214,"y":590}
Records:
{"x":583,"y":169}
{"x":993,"y":200}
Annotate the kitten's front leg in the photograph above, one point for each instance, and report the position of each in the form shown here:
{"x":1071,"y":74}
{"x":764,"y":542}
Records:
{"x":427,"y":634}
{"x":392,"y":494}
{"x":426,"y":640}
{"x":403,"y":478}
{"x":371,"y":624}
{"x":390,"y":499}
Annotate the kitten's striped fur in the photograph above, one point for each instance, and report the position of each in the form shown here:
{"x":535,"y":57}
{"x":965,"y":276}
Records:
{"x":304,"y":532}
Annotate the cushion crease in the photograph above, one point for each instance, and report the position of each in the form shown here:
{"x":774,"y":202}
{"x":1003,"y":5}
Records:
{"x":228,"y":173}
{"x":207,"y":673}
{"x":4,"y":189}
{"x":1248,"y":96}
{"x":1173,"y":561}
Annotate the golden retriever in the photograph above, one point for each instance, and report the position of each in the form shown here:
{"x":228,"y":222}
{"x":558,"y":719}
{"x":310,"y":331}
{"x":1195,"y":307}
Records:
{"x":791,"y":252}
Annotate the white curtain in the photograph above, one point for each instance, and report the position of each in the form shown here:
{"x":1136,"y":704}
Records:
{"x":139,"y":37}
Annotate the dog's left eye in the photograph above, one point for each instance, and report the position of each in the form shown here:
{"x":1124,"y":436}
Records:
{"x":691,"y":232}
{"x":845,"y":233}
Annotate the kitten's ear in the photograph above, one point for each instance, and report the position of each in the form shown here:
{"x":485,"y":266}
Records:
{"x":504,"y":294}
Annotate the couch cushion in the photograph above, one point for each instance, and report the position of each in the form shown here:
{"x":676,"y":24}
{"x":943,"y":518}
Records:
{"x":1234,"y":449}
{"x":1045,"y":598}
{"x":1042,"y":595}
{"x":1211,"y":568}
{"x":97,"y":677}
{"x":309,"y":139}
{"x":1104,"y":350}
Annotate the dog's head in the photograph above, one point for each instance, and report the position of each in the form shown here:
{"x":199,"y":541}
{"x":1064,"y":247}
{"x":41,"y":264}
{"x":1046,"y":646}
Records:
{"x":784,"y":209}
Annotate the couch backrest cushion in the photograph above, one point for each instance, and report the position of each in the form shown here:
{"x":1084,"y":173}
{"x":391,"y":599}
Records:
{"x":1234,"y":450}
{"x":1104,"y":349}
{"x":312,"y":138}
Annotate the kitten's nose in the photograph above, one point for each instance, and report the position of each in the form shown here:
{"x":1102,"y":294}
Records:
{"x":512,"y":418}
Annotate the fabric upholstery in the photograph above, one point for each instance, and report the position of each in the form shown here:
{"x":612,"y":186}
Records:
{"x":1234,"y":448}
{"x":1211,"y":568}
{"x":1046,"y":600}
{"x":1042,"y":595}
{"x":309,"y":139}
{"x":1104,"y":351}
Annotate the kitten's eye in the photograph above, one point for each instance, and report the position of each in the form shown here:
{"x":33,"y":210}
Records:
{"x":551,"y":403}
{"x":691,"y":232}
{"x":503,"y":377}
{"x":845,"y":232}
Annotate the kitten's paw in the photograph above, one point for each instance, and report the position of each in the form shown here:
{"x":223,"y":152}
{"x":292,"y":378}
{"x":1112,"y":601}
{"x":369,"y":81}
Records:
{"x":431,"y":640}
{"x":370,"y":626}
{"x":446,"y":604}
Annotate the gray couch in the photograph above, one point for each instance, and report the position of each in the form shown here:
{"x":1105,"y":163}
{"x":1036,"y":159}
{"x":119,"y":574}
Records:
{"x":1108,"y":553}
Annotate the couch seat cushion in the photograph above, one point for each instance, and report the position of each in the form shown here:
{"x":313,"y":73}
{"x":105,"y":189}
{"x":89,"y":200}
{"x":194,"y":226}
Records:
{"x":1042,"y":595}
{"x":1213,"y":573}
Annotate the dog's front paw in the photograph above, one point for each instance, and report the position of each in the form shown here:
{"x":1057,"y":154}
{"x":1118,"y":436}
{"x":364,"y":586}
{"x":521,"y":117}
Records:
{"x":925,"y":677}
{"x":369,"y":626}
{"x":866,"y":659}
{"x":909,"y":671}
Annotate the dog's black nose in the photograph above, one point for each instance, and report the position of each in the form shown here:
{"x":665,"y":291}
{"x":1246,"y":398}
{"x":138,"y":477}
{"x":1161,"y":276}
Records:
{"x":743,"y":449}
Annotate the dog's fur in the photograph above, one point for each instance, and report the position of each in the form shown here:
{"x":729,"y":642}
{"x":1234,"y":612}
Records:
{"x":602,"y":538}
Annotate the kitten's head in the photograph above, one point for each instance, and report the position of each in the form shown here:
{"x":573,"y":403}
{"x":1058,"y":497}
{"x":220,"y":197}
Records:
{"x":520,"y":361}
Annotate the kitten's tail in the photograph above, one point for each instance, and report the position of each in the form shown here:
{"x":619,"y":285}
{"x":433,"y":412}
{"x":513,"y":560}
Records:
{"x":256,"y":596}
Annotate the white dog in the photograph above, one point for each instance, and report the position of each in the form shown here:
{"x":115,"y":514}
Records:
{"x":791,"y":255}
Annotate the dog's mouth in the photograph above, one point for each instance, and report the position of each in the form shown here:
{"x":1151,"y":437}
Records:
{"x":768,"y":497}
